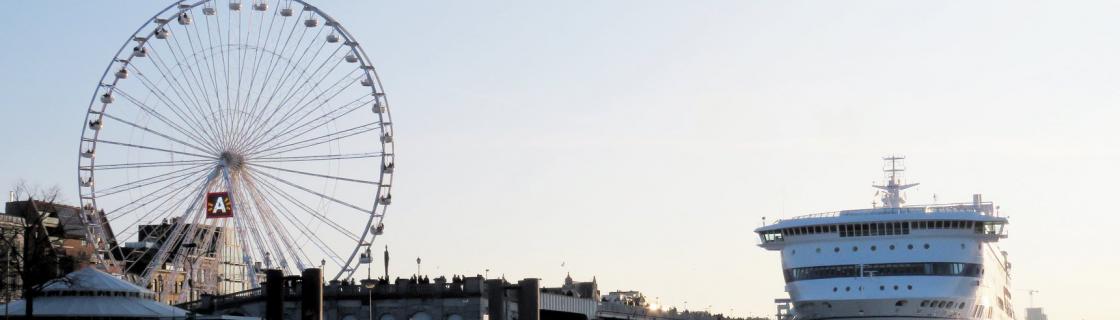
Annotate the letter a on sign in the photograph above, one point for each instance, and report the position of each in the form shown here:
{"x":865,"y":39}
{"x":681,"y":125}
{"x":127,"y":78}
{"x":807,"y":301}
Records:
{"x":218,"y":205}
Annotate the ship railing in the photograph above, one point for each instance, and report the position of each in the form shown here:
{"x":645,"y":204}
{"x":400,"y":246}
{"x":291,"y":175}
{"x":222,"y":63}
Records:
{"x":986,"y":208}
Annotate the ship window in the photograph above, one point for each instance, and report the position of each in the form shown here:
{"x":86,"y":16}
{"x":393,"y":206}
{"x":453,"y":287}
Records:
{"x":873,"y":248}
{"x":890,"y":229}
{"x":874,"y":229}
{"x":910,"y":247}
{"x":927,"y":246}
{"x":941,"y":304}
{"x":892,"y":247}
{"x":855,"y":248}
{"x":833,"y":228}
{"x":909,"y":287}
{"x":900,"y":303}
{"x":896,"y":287}
{"x":925,"y":303}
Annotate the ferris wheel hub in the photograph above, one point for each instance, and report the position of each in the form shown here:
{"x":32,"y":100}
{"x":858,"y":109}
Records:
{"x":231,"y":160}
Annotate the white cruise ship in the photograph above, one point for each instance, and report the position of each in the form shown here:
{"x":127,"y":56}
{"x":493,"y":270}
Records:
{"x":895,"y":261}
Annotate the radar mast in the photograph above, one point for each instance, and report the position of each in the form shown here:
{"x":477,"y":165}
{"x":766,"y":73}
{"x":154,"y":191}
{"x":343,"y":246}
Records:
{"x":892,"y":170}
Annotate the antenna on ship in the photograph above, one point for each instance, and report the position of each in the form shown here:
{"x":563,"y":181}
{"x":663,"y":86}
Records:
{"x":892,"y":170}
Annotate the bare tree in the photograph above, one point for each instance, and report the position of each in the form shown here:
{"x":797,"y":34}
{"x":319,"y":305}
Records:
{"x":24,"y":190}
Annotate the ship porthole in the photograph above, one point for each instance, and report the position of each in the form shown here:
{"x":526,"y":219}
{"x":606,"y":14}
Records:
{"x":909,"y":247}
{"x":837,"y":250}
{"x":793,"y":252}
{"x":892,"y":247}
{"x":834,"y":289}
{"x":855,"y":248}
{"x":846,"y":289}
{"x":881,"y":288}
{"x":873,"y":248}
{"x":896,"y":287}
{"x":927,"y":246}
{"x":962,"y":246}
{"x":909,"y":287}
{"x":818,"y":250}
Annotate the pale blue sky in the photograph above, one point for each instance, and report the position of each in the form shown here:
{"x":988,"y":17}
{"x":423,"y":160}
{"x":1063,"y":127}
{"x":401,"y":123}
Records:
{"x":642,"y":141}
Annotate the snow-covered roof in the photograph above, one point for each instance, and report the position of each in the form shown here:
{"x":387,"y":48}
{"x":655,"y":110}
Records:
{"x":92,"y":293}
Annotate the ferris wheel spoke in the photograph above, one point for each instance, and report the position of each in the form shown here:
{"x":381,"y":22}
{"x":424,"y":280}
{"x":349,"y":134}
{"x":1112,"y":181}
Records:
{"x":201,"y":92}
{"x":176,"y":229}
{"x":149,"y":148}
{"x":287,"y":116}
{"x":301,"y":225}
{"x":163,"y":97}
{"x":311,"y":124}
{"x":287,"y":74}
{"x":260,"y":54}
{"x":293,"y":200}
{"x":249,"y":219}
{"x":302,"y":103}
{"x":189,"y":109}
{"x":142,"y":201}
{"x":318,"y":140}
{"x":145,"y":128}
{"x":273,"y":230}
{"x":313,"y":192}
{"x":207,"y":64}
{"x":150,"y":180}
{"x":273,"y":63}
{"x":319,"y":175}
{"x":340,"y":156}
{"x":153,"y":112}
{"x":148,"y":164}
{"x":296,"y":87}
{"x":226,"y":67}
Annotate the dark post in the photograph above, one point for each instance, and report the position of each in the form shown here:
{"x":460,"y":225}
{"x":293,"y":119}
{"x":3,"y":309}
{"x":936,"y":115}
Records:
{"x":311,"y":307}
{"x":274,"y":295}
{"x":495,"y":294}
{"x":529,"y":299}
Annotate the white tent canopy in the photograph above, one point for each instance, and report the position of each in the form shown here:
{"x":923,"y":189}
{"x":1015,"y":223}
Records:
{"x":91,"y":293}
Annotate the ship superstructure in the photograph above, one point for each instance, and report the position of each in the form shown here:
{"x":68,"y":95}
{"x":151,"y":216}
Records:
{"x":895,"y":261}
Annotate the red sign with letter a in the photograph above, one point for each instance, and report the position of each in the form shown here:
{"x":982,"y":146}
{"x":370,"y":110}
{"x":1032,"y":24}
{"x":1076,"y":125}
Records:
{"x":218,"y":205}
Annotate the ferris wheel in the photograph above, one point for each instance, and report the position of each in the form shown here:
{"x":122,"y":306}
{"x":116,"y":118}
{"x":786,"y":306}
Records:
{"x":229,"y":137}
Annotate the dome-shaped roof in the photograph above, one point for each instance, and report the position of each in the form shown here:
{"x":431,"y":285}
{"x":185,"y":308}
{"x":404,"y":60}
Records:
{"x":94,"y":282}
{"x":92,"y":293}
